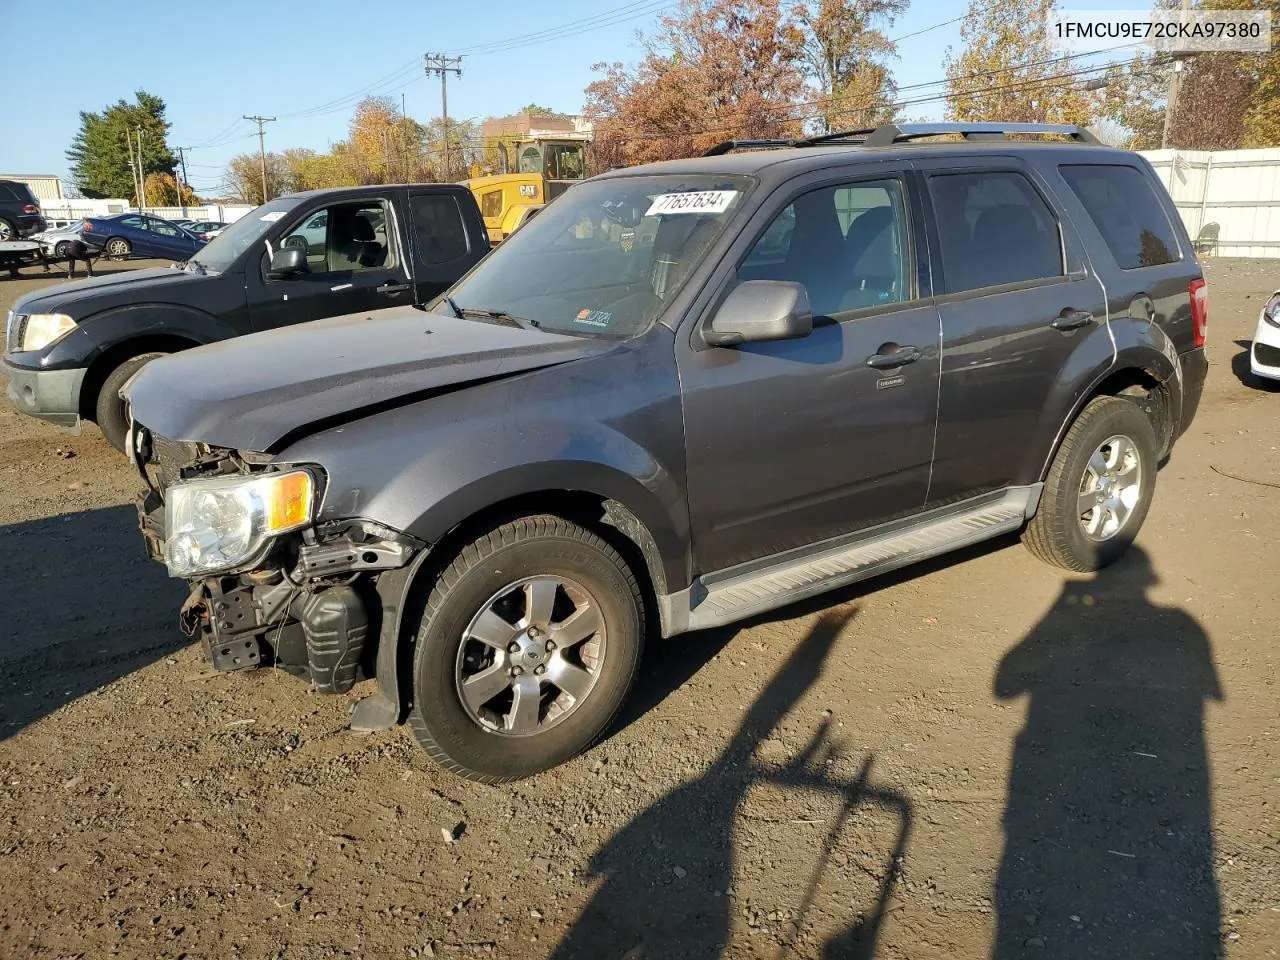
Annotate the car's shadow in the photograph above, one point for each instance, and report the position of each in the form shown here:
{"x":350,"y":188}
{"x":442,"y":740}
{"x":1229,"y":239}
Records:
{"x":1240,"y":367}
{"x":83,"y":607}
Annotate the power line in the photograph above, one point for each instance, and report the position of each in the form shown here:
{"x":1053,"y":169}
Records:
{"x":608,"y":18}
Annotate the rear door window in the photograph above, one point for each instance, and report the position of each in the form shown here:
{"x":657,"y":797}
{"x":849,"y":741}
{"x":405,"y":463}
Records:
{"x":1124,"y":207}
{"x":440,"y":236}
{"x":995,"y":228}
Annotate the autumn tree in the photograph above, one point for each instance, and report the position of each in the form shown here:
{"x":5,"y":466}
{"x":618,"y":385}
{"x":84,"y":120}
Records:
{"x":715,"y":69}
{"x":161,"y":190}
{"x":1008,"y":68}
{"x":1133,"y":98}
{"x":847,"y":54}
{"x":243,"y":178}
{"x":100,"y":153}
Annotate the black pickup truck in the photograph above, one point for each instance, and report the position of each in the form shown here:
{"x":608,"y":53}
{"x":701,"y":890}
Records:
{"x":69,"y":349}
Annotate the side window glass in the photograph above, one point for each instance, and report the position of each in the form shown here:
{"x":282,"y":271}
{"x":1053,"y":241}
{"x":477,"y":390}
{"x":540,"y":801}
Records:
{"x":135,"y":222}
{"x":164,"y":229}
{"x":1123,"y":205}
{"x":438,"y":231}
{"x":995,"y":228}
{"x":846,"y":244}
{"x":346,"y":238}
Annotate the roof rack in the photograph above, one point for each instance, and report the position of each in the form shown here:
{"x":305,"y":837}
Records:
{"x":892,"y":133}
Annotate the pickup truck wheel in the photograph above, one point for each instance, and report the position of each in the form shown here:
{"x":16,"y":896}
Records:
{"x":527,"y":647}
{"x":1099,"y":488}
{"x":111,"y":415}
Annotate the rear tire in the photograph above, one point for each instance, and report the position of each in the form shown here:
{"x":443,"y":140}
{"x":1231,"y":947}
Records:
{"x":1099,"y":488}
{"x":111,"y":415}
{"x":8,"y":231}
{"x":500,"y":576}
{"x":118,"y":248}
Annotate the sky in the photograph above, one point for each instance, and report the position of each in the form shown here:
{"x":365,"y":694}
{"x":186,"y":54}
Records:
{"x":309,"y":65}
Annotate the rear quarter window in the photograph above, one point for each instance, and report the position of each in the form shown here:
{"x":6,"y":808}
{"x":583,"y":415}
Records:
{"x":1123,"y":205}
{"x":439,"y":233}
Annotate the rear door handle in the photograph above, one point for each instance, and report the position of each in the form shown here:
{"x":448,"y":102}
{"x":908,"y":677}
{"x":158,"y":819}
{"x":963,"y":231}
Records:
{"x":1072,"y":320}
{"x":390,"y":288}
{"x":890,"y":355}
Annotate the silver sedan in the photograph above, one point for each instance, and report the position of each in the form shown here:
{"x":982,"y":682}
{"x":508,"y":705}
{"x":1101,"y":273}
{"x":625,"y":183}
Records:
{"x":55,"y":242}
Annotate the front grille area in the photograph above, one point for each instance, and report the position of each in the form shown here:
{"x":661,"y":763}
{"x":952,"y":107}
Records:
{"x":17,"y":328}
{"x":1266,"y":355}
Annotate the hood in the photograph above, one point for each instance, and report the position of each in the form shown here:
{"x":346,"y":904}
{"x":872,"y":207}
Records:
{"x":254,"y":392}
{"x":101,"y":293}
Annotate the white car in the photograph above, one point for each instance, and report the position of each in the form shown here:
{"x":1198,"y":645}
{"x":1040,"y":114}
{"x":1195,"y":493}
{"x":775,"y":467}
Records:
{"x":55,"y":240}
{"x":1264,"y":353}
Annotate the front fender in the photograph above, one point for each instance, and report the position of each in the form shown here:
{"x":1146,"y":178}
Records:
{"x":99,"y":332}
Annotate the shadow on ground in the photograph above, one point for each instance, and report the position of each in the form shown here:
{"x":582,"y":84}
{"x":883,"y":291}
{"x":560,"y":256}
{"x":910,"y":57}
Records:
{"x":83,"y":606}
{"x":643,"y":909}
{"x":1108,"y":824}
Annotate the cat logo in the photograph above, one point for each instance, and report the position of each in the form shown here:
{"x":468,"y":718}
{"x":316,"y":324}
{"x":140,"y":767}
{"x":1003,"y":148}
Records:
{"x":529,"y":190}
{"x":628,"y":240}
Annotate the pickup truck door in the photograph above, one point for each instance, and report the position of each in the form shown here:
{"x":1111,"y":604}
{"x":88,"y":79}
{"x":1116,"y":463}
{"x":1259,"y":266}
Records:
{"x":443,"y":248}
{"x":356,"y":261}
{"x":793,"y":442}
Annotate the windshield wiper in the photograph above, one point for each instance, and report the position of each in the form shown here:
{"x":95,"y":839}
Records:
{"x":500,"y":315}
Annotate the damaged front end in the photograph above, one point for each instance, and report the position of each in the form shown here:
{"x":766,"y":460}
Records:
{"x":269,"y":586}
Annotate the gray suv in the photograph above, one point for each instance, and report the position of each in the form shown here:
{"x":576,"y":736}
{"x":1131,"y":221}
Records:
{"x":686,"y":393}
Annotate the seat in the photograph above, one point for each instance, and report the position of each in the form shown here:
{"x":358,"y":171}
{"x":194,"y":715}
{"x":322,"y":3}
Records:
{"x":869,"y":255}
{"x":362,"y":251}
{"x":1007,"y":245}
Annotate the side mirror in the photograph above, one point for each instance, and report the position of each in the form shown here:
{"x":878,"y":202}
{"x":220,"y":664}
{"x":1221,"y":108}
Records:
{"x":760,"y":310}
{"x":287,"y":262}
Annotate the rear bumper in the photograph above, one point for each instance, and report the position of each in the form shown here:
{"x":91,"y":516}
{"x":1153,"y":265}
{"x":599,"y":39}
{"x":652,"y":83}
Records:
{"x":1195,"y":367}
{"x":52,"y":395}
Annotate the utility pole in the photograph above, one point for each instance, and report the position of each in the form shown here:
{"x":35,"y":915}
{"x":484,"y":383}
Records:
{"x":262,"y":152}
{"x":182,"y":161}
{"x":142,"y":177}
{"x":439,"y":63}
{"x":133,"y":168}
{"x":1175,"y":87}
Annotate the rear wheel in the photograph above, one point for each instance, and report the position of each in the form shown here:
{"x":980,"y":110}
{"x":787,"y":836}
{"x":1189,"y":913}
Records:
{"x":7,"y":230}
{"x":111,"y":413}
{"x":118,"y":248}
{"x":1099,"y":488}
{"x":528,"y":645}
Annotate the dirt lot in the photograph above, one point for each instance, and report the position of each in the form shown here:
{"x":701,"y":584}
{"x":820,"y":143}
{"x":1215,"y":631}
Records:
{"x":981,"y":757}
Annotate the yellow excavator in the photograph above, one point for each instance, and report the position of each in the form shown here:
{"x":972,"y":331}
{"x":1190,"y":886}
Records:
{"x":542,"y":169}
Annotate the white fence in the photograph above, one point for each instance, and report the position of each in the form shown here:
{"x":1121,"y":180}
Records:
{"x":1229,"y":199}
{"x":69,"y":209}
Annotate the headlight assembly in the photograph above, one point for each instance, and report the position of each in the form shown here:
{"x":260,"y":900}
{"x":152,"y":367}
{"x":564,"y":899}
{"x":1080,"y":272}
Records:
{"x":1271,"y":312}
{"x":44,"y":328}
{"x":222,"y":522}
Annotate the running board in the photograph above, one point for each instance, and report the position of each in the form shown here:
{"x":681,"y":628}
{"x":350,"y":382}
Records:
{"x":737,"y":593}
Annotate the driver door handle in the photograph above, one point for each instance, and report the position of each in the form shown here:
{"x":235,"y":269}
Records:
{"x":390,"y":288}
{"x":890,"y":355}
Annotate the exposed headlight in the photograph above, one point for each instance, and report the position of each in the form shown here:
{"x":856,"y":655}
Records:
{"x":220,"y":523}
{"x":44,"y":328}
{"x":1271,"y":312}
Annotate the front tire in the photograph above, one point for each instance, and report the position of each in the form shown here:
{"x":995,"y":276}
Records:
{"x":60,"y":249}
{"x":1099,"y":488}
{"x":111,"y":415}
{"x":527,"y":648}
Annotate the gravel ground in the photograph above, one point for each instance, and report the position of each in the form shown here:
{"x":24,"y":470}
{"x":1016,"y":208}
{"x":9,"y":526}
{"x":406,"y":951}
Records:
{"x":978,"y":757}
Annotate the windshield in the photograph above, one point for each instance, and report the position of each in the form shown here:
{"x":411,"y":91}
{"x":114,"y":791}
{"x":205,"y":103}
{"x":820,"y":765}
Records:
{"x":606,"y":257}
{"x":224,"y":249}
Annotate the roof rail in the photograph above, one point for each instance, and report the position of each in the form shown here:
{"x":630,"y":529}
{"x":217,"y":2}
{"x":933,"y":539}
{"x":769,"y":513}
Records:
{"x":722,"y":148}
{"x":898,"y":133}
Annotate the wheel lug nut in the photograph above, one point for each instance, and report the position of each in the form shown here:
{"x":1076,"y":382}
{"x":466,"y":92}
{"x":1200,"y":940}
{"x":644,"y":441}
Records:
{"x":551,"y":645}
{"x":516,"y":671}
{"x":533,"y":631}
{"x":539,"y":670}
{"x":514,"y":648}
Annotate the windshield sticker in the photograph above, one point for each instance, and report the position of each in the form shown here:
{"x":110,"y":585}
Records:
{"x":271,"y":217}
{"x":704,"y":201}
{"x":594,"y":318}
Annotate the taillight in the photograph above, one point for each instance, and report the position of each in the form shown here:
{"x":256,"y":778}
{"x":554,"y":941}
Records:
{"x":1199,"y":310}
{"x":88,"y":225}
{"x":31,"y":208}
